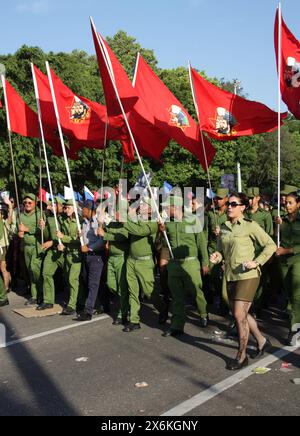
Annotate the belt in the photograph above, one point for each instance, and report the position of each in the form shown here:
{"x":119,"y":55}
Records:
{"x":141,"y":258}
{"x":95,"y":253}
{"x":117,"y":255}
{"x":187,"y":259}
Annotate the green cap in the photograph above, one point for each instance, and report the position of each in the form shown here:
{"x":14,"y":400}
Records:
{"x":222,"y":193}
{"x":288,"y":189}
{"x":30,"y":196}
{"x":69,"y":203}
{"x":253,"y":192}
{"x":173,"y":201}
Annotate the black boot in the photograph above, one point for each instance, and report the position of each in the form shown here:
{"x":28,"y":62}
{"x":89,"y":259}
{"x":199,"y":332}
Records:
{"x":44,"y":306}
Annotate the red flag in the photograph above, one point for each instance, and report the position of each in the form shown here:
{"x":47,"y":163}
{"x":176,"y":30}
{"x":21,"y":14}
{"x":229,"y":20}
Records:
{"x":226,"y":116}
{"x":80,"y":118}
{"x":23,"y":120}
{"x":107,"y":59}
{"x":290,"y":67}
{"x":149,"y":139}
{"x":168,"y":114}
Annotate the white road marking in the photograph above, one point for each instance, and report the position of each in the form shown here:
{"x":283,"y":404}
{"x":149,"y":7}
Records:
{"x":207,"y":395}
{"x":52,"y":332}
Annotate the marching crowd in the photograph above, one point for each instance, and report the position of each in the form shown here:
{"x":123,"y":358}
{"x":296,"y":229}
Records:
{"x":229,"y":259}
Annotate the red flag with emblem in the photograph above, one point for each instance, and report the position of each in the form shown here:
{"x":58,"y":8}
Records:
{"x":82,"y":120}
{"x":24,"y":121}
{"x":168,"y":114}
{"x":290,"y":67}
{"x":226,"y":116}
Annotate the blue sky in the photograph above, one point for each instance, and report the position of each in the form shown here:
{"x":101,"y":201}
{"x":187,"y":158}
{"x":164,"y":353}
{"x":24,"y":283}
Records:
{"x":231,"y":39}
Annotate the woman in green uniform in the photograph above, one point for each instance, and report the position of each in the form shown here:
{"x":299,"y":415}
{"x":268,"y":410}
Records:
{"x":237,"y":245}
{"x":289,"y":255}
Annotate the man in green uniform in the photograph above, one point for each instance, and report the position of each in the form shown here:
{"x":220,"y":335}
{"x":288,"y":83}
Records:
{"x":265,"y":221}
{"x":3,"y":293}
{"x":289,"y":256}
{"x":54,"y":254}
{"x":118,"y":239}
{"x":189,"y":246}
{"x":140,"y":264}
{"x":216,"y":218}
{"x":30,"y":233}
{"x":73,"y":256}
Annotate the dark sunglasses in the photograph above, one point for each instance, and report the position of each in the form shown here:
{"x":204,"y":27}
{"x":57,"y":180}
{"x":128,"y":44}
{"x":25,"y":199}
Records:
{"x":233,"y":204}
{"x":27,"y":202}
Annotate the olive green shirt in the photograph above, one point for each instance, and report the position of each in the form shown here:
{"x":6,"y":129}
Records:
{"x":237,"y":245}
{"x":142,"y":237}
{"x":1,"y":227}
{"x":70,"y":232}
{"x":50,"y":232}
{"x":290,"y":234}
{"x":263,"y":219}
{"x":214,"y":220}
{"x":31,"y":221}
{"x":118,"y":239}
{"x":186,"y":243}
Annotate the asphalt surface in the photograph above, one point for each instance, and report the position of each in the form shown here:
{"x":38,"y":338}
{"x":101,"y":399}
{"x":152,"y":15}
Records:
{"x":42,"y":376}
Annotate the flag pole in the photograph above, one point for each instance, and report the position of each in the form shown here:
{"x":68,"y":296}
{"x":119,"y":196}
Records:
{"x":10,"y":145}
{"x":201,"y":136}
{"x":36,"y":90}
{"x":130,"y":133}
{"x":64,"y":150}
{"x":236,"y":84}
{"x":41,"y":187}
{"x":279,"y":115}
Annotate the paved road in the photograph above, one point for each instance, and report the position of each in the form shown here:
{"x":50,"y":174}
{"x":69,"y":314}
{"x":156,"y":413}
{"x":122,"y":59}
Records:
{"x":40,"y":375}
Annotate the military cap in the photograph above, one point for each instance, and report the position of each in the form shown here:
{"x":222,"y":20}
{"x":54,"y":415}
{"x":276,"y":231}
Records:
{"x":30,"y":196}
{"x":69,"y":203}
{"x":288,"y":189}
{"x":253,"y":192}
{"x":173,"y":201}
{"x":222,"y":193}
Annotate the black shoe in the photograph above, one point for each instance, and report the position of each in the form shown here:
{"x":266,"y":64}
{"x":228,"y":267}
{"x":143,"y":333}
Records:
{"x":68,"y":311}
{"x":131,"y":327}
{"x":117,"y":322}
{"x":4,"y":303}
{"x":44,"y":306}
{"x":236,"y":365}
{"x":204,"y":322}
{"x":99,"y":311}
{"x":31,"y":302}
{"x":260,"y":353}
{"x":84,"y":317}
{"x":163,"y":317}
{"x":173,"y":333}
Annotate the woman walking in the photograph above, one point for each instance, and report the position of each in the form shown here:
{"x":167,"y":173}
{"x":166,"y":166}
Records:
{"x":238,"y":241}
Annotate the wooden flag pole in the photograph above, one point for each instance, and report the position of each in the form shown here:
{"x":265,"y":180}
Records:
{"x":130,"y":133}
{"x":64,"y":150}
{"x":10,"y":146}
{"x":279,"y":116}
{"x":36,"y":90}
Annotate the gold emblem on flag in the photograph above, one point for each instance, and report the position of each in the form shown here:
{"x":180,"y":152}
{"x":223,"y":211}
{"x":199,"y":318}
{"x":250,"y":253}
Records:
{"x":79,"y":111}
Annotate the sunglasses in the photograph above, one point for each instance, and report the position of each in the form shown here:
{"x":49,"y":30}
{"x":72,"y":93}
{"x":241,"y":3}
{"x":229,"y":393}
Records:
{"x":233,"y":204}
{"x":27,"y":202}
